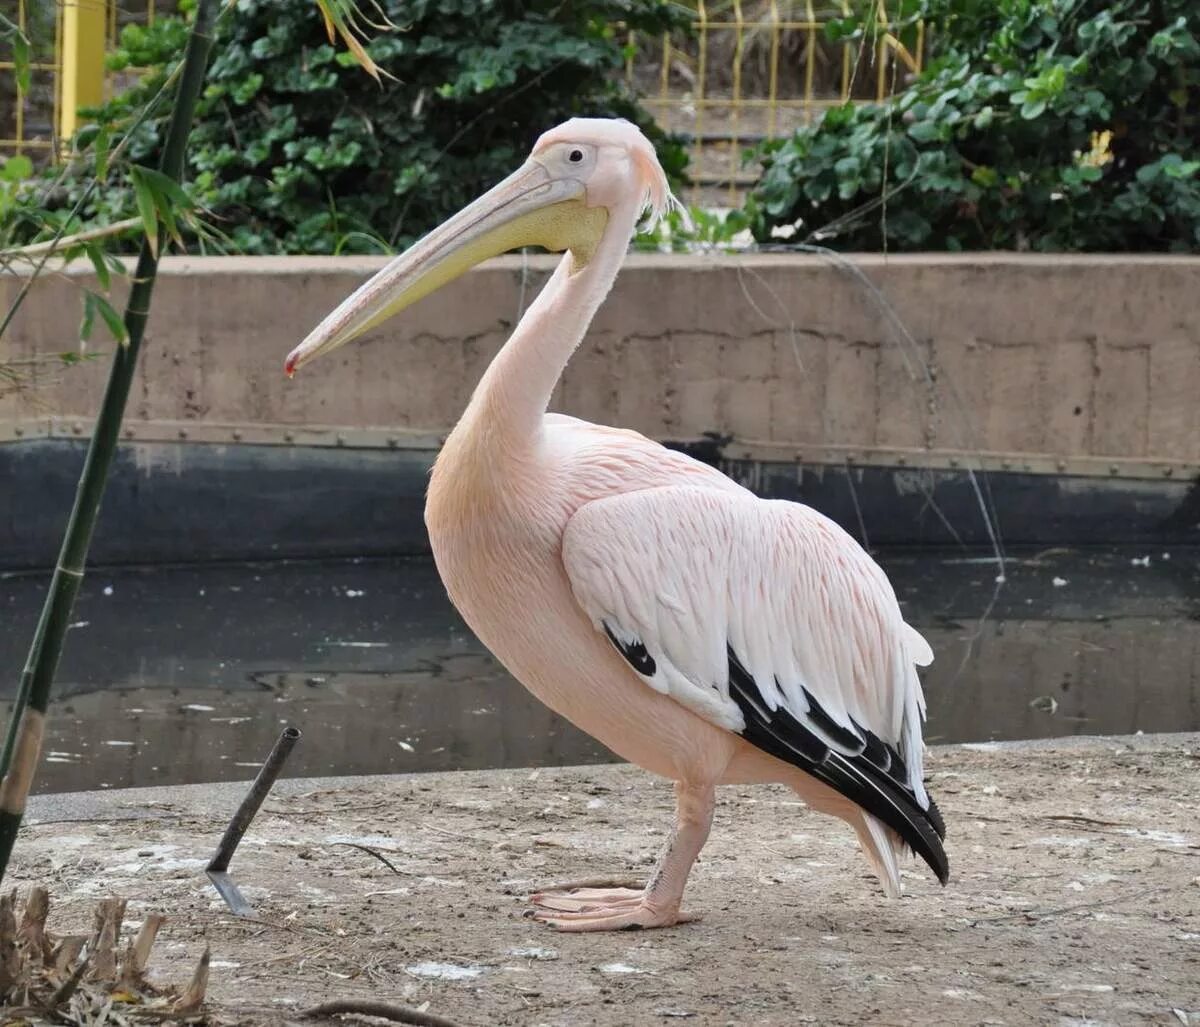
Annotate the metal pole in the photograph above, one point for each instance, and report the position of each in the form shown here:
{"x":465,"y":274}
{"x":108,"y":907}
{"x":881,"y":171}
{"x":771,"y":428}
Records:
{"x":219,"y":865}
{"x":81,"y":60}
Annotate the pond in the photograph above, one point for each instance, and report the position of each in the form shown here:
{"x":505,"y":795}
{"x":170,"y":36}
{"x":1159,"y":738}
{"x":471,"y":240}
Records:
{"x":183,"y":674}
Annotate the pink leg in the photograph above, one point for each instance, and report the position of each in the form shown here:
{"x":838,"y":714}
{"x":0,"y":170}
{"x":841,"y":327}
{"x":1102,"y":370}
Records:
{"x":657,"y":905}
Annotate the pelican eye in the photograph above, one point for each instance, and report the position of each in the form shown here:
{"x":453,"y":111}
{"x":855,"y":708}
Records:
{"x":575,"y":156}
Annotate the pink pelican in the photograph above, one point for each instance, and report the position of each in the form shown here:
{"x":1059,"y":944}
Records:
{"x":705,"y":634}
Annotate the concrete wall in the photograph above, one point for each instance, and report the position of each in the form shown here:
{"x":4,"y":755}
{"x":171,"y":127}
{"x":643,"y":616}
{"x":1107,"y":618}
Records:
{"x":1093,"y":361}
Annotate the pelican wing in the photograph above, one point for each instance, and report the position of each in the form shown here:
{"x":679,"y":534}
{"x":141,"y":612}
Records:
{"x":767,"y":619}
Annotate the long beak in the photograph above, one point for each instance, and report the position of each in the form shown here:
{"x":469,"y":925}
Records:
{"x":529,"y":208}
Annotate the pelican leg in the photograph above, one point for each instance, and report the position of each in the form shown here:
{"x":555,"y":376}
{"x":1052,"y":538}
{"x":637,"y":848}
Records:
{"x":657,"y":905}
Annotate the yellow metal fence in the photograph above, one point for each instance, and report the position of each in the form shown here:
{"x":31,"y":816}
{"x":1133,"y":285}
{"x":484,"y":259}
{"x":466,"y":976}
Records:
{"x":753,"y":70}
{"x":17,"y":134}
{"x":750,"y":70}
{"x":68,"y":40}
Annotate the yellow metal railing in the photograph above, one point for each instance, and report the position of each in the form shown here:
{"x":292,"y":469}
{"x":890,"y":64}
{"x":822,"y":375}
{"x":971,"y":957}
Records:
{"x":75,"y":37}
{"x":82,"y":36}
{"x":15,"y":134}
{"x":750,"y":70}
{"x":757,"y":69}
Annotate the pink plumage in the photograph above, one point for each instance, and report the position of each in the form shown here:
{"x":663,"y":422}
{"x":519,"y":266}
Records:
{"x":696,"y":630}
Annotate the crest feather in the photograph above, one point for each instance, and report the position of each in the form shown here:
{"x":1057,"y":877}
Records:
{"x":658,"y":200}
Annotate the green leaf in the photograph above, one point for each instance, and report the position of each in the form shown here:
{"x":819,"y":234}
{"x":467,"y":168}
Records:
{"x":985,"y":176}
{"x":96,"y":256}
{"x":924,"y":131}
{"x":1147,"y":173}
{"x":848,"y":167}
{"x":100,"y":152}
{"x":168,"y":197}
{"x":166,"y":186}
{"x":147,"y":208}
{"x":89,"y":316}
{"x":1181,"y":169}
{"x":17,"y":168}
{"x":166,"y":214}
{"x":20,"y":45}
{"x":116,"y":326}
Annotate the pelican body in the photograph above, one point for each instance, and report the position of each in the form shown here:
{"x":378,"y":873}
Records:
{"x":696,"y":630}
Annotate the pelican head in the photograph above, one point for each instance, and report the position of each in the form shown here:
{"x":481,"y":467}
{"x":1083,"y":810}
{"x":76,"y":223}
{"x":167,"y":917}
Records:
{"x":562,"y":198}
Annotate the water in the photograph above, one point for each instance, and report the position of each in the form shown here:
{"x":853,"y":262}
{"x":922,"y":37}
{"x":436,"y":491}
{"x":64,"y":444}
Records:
{"x":183,"y":674}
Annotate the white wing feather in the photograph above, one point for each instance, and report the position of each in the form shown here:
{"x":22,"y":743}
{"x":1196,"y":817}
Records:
{"x":694,"y":574}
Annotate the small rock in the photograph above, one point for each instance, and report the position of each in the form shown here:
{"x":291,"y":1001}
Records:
{"x":534,"y":952}
{"x":619,"y":968}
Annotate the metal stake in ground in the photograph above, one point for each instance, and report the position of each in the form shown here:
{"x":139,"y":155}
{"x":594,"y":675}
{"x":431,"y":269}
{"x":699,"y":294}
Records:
{"x":218,"y":868}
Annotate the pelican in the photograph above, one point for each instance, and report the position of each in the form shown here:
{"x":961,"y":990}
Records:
{"x":707,"y":635}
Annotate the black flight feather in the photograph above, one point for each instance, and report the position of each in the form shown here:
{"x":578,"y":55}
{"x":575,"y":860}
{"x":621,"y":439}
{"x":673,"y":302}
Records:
{"x":634,"y":652}
{"x":874,"y":775}
{"x":879,"y":786}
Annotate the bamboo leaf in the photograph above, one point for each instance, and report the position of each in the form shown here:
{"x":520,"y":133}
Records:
{"x":100,"y":152}
{"x":165,"y":186}
{"x":341,"y":16}
{"x":96,"y":256}
{"x":89,"y":316}
{"x":167,"y":216}
{"x":329,"y":30}
{"x":168,"y":198}
{"x":147,"y":208}
{"x":21,"y":62}
{"x":111,"y":318}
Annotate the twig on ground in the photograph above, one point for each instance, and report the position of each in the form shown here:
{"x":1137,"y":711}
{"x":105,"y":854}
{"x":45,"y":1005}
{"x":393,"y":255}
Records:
{"x":68,"y":988}
{"x":317,"y":811}
{"x":1076,"y":819}
{"x":246,"y":922}
{"x":1042,"y":914}
{"x":379,"y":856}
{"x":383,"y":1010}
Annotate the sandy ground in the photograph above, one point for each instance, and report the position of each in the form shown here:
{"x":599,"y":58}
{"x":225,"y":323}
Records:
{"x":1075,"y":895}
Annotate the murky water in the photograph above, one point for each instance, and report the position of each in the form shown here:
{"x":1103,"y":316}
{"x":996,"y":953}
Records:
{"x":186,"y":674}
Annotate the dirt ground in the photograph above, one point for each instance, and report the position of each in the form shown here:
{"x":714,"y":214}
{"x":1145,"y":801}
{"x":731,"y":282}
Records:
{"x":1074,"y":897}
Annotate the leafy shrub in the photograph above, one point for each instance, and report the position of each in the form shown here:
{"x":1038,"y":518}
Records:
{"x":297,"y":150}
{"x":1042,"y":124}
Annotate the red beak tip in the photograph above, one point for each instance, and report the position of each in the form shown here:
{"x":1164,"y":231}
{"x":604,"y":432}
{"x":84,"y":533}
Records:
{"x":289,"y":367}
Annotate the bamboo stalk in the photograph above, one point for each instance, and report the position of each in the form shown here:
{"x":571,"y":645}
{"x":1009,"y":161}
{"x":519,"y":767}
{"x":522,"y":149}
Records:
{"x":23,"y":744}
{"x":51,"y":246}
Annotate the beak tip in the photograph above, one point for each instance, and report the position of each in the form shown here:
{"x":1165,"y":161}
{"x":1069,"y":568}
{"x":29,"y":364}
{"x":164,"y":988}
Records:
{"x":289,"y":366}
